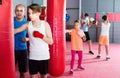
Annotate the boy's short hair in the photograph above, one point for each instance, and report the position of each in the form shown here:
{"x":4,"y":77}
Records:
{"x":104,"y":17}
{"x":76,"y":21}
{"x":35,"y":7}
{"x":86,"y":14}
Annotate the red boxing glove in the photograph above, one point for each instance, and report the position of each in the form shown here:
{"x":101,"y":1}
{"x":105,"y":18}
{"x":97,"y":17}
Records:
{"x":38,"y":34}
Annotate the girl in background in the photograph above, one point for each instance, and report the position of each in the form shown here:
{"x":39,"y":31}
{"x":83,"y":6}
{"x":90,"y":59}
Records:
{"x":77,"y":37}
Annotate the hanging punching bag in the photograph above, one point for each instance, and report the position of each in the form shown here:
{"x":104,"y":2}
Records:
{"x":7,"y":68}
{"x":56,"y":19}
{"x":97,"y":16}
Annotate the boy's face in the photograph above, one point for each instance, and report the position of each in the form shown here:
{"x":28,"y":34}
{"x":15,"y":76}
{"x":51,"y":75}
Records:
{"x":77,"y":25}
{"x":33,"y":15}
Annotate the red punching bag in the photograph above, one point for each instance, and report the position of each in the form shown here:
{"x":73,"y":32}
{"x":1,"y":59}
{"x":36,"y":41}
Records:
{"x":97,"y":16}
{"x":83,"y":15}
{"x":7,"y":64}
{"x":56,"y":19}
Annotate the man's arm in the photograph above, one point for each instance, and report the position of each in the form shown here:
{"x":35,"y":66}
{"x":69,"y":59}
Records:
{"x":20,"y":29}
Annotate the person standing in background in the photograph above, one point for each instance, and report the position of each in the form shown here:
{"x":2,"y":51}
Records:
{"x":21,"y":53}
{"x":85,"y":25}
{"x":104,"y":36}
{"x":77,"y":37}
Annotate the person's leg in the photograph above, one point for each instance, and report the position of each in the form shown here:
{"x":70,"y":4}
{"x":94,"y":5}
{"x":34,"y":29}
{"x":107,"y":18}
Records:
{"x":90,"y":47}
{"x":16,"y":57}
{"x":34,"y":76}
{"x":43,"y":68}
{"x":16,"y":60}
{"x":106,"y":49}
{"x":19,"y":60}
{"x":100,"y":42}
{"x":89,"y":42}
{"x":106,"y":43}
{"x":43,"y":76}
{"x":33,"y":68}
{"x":23,"y":75}
{"x":23,"y":63}
{"x":107,"y":52}
{"x":99,"y":51}
{"x":80,"y":55}
{"x":73,"y":52}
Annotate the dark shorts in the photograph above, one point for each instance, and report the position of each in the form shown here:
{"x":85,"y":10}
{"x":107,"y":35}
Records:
{"x":21,"y":58}
{"x":36,"y":66}
{"x":87,"y":36}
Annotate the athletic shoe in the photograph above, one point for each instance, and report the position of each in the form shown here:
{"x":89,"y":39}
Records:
{"x":91,"y":52}
{"x":107,"y":58}
{"x":80,"y":68}
{"x":98,"y":56}
{"x":71,"y":71}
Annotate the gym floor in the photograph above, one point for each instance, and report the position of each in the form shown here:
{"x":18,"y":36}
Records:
{"x":94,"y":68}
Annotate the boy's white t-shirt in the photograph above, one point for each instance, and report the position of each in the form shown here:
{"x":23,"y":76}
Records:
{"x":105,"y":29}
{"x":39,"y":49}
{"x":85,"y":27}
